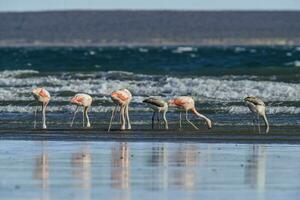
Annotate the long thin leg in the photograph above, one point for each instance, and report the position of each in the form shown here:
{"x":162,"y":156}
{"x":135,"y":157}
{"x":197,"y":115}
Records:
{"x":87,"y":117}
{"x":165,"y":120}
{"x":120,"y":116}
{"x":258,"y":123}
{"x":83,"y":117}
{"x":186,"y":117}
{"x":158,"y":120}
{"x":153,"y":116}
{"x":76,"y":109}
{"x":35,"y":111}
{"x":44,"y":115}
{"x":254,"y":123}
{"x":127,"y":117}
{"x":180,"y":120}
{"x":112,"y":117}
{"x":123,"y":124}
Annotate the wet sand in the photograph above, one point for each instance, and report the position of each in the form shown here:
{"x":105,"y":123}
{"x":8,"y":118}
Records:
{"x":219,"y":134}
{"x":153,"y":170}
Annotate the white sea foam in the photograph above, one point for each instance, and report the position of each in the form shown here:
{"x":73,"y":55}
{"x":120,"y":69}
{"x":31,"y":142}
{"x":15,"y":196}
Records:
{"x":223,"y":88}
{"x":143,"y":50}
{"x":239,"y":49}
{"x":184,"y":49}
{"x":269,"y":110}
{"x":295,"y":63}
{"x":17,"y":86}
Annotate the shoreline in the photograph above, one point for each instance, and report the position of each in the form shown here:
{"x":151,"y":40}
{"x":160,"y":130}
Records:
{"x":278,"y":135}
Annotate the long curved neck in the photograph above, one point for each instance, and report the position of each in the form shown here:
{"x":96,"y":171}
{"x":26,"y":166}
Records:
{"x":199,"y":115}
{"x":88,"y":124}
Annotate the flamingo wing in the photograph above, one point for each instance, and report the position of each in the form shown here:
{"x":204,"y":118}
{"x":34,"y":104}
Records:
{"x":156,"y":102}
{"x":43,"y":93}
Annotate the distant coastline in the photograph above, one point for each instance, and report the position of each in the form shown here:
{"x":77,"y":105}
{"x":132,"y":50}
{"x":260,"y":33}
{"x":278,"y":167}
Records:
{"x":147,"y":28}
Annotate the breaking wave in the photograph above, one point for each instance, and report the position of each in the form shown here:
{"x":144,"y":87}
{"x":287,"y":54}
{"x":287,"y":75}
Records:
{"x":213,"y":94}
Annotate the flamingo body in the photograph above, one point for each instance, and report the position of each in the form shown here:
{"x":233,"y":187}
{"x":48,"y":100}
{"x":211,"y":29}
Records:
{"x":85,"y":101}
{"x":187,"y":103}
{"x":121,"y":98}
{"x":158,"y":106}
{"x":258,"y":108}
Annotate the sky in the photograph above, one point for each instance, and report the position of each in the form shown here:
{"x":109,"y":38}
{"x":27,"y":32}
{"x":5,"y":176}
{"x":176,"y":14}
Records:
{"x":38,"y":5}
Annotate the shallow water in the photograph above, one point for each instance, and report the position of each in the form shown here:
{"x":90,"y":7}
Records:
{"x":137,"y":170}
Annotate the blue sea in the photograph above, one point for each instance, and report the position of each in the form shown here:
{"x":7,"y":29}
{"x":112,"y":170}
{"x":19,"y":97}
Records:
{"x":217,"y":77}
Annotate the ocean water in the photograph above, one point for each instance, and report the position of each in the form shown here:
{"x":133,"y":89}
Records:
{"x":217,"y":77}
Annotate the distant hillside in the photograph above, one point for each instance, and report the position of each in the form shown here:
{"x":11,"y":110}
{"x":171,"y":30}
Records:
{"x":149,"y":28}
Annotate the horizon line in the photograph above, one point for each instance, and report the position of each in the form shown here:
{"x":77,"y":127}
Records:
{"x":149,"y":10}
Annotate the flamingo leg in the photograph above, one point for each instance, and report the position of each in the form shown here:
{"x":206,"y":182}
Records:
{"x":83,"y":117}
{"x":112,"y":117}
{"x":186,"y":117}
{"x":123,"y":117}
{"x":180,"y":120}
{"x":120,"y":116}
{"x":158,"y":122}
{"x":165,"y":120}
{"x":44,"y":105}
{"x":254,"y":122}
{"x":76,"y":109}
{"x":87,"y":117}
{"x":153,"y":116}
{"x":258,"y":123}
{"x":127,"y":117}
{"x":35,"y":111}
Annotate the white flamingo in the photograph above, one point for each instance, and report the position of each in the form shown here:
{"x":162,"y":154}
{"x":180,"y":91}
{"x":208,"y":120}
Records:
{"x":41,"y":95}
{"x":258,"y":108}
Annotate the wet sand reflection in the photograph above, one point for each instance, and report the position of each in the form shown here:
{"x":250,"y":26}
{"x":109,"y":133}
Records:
{"x":255,"y":170}
{"x":81,"y":162}
{"x":41,"y":170}
{"x":185,"y":158}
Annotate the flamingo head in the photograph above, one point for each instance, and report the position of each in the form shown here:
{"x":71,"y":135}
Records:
{"x":41,"y":94}
{"x":76,"y":100}
{"x":36,"y":91}
{"x":171,"y":102}
{"x":249,"y":98}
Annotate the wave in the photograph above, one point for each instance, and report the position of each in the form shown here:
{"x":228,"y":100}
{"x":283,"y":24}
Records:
{"x":14,"y":86}
{"x":295,"y":63}
{"x":184,"y":49}
{"x":270,"y":110}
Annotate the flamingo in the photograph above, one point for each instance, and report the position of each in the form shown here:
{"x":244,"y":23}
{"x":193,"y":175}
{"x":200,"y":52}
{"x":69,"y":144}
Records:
{"x":41,"y":95}
{"x":121,"y":98}
{"x":258,"y":108}
{"x":158,"y":106}
{"x":187,"y":103}
{"x":85,"y":101}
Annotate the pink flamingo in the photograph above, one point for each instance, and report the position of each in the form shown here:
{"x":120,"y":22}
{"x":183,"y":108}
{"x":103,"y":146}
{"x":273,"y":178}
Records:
{"x":188,"y":104}
{"x":85,"y":101}
{"x":43,"y":96}
{"x":121,"y":98}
